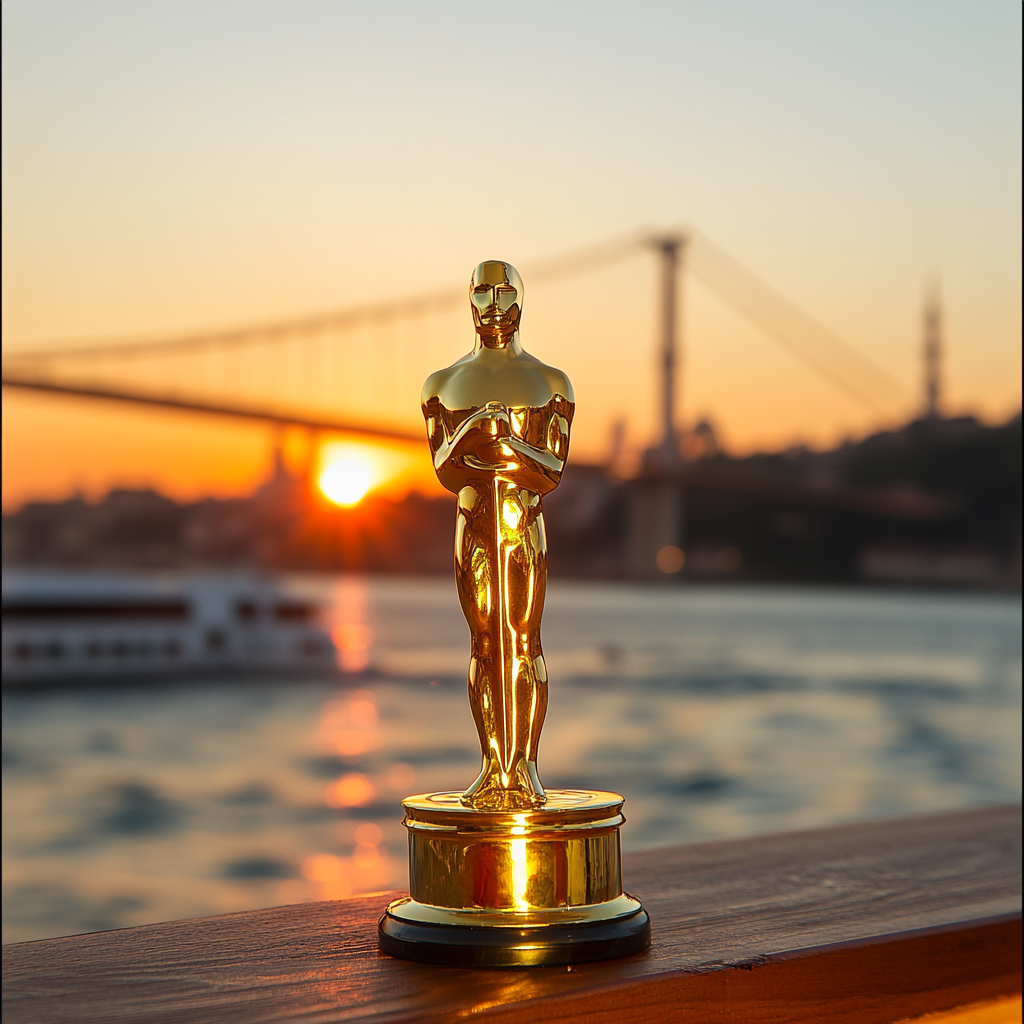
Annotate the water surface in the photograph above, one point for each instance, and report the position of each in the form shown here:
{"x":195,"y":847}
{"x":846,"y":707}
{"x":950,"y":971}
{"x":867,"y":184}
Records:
{"x":716,"y":711}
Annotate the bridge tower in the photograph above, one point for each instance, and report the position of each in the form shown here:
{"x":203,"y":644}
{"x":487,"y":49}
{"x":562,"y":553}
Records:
{"x":654,"y":517}
{"x":671,"y":249}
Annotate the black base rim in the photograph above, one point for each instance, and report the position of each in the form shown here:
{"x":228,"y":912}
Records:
{"x":544,"y":946}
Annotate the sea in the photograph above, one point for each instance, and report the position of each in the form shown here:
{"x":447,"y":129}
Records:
{"x":717,"y":711}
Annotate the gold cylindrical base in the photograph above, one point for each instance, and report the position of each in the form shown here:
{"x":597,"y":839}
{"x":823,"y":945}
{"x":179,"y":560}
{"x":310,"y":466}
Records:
{"x":515,"y":888}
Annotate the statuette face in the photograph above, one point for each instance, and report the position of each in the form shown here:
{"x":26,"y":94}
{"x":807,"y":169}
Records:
{"x":507,"y":874}
{"x":496,"y":295}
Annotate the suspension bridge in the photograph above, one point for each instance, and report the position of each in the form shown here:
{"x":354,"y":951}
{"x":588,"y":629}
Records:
{"x":357,"y":370}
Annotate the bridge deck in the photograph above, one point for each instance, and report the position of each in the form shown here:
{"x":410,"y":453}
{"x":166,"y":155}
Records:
{"x":862,"y":923}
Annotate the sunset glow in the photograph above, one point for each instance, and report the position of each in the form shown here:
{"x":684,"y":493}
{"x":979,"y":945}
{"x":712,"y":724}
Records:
{"x":348,"y":477}
{"x":343,"y":220}
{"x":348,"y":471}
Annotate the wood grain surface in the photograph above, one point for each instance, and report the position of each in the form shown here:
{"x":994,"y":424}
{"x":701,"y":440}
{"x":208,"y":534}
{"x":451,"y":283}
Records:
{"x":862,"y":923}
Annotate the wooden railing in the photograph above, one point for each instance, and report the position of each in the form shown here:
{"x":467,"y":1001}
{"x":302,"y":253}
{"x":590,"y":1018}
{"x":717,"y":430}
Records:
{"x":872,"y":922}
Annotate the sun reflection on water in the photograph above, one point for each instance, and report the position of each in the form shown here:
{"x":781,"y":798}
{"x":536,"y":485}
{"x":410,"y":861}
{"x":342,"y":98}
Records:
{"x":353,"y":638}
{"x":348,"y":725}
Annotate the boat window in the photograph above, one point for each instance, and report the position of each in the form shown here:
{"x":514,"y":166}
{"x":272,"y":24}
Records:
{"x":294,"y":611}
{"x":132,"y":608}
{"x":246,"y":610}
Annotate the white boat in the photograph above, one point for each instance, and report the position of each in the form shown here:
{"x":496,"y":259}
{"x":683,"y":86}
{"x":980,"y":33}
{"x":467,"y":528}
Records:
{"x":91,"y":625}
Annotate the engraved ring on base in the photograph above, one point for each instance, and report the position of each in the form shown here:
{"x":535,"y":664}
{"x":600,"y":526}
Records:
{"x":514,"y":888}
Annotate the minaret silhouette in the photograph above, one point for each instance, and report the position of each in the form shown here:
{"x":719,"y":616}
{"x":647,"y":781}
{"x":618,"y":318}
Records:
{"x":932,"y":352}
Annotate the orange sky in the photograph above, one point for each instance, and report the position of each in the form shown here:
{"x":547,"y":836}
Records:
{"x":171,"y":166}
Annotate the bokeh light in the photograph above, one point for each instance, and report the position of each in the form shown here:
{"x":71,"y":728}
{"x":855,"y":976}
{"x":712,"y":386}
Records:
{"x":671,"y":559}
{"x":352,"y":790}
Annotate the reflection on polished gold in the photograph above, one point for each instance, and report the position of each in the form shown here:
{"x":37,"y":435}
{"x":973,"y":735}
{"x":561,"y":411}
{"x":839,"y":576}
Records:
{"x":498,"y":424}
{"x":563,"y":856}
{"x":506,"y":874}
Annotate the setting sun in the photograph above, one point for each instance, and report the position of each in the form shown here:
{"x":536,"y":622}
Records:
{"x":349,"y":470}
{"x":347,"y":477}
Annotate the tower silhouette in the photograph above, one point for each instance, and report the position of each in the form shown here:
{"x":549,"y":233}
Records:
{"x":932,"y":352}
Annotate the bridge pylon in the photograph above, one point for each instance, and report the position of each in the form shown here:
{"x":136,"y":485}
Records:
{"x":655,"y":500}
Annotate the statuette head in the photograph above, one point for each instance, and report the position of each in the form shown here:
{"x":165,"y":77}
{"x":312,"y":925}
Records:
{"x":496,"y":295}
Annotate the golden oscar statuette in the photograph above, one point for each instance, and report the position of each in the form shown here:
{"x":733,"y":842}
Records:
{"x":507,"y":874}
